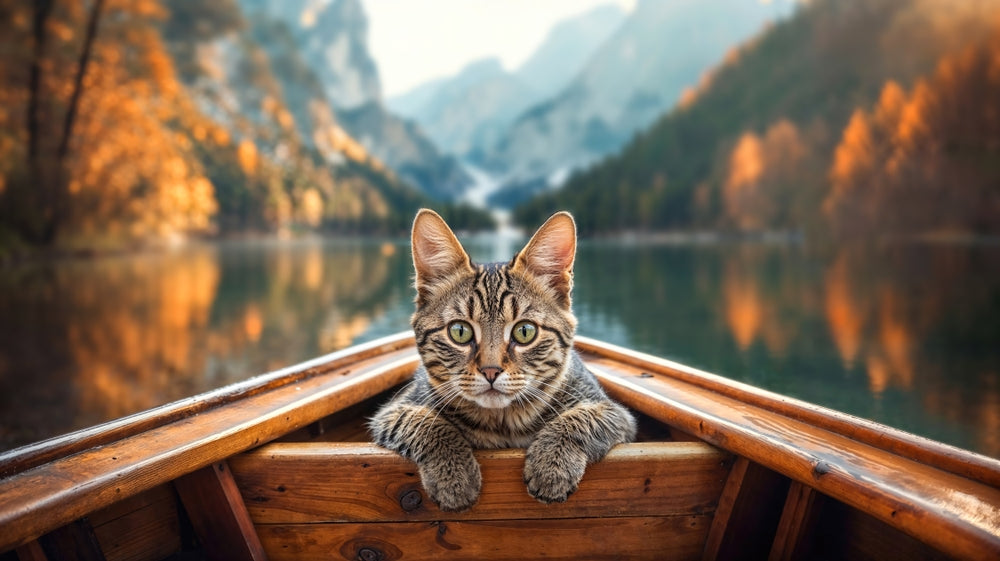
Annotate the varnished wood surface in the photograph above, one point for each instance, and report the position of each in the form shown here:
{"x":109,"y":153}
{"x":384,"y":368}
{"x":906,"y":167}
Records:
{"x":145,"y":527}
{"x":748,"y":513}
{"x":797,"y":517}
{"x":938,"y":494}
{"x":671,"y":538}
{"x":923,"y":450}
{"x":48,"y":496}
{"x":905,"y":494}
{"x":328,"y":482}
{"x":220,"y":519}
{"x":32,"y":455}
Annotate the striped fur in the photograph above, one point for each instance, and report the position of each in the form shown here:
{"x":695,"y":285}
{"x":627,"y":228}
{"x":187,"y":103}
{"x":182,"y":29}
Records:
{"x":493,"y":391}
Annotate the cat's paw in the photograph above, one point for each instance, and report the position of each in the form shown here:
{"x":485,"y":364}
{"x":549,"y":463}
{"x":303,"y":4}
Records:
{"x":453,"y":485}
{"x":552,"y":473}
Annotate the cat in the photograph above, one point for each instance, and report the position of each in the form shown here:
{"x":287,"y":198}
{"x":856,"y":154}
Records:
{"x":498,"y":369}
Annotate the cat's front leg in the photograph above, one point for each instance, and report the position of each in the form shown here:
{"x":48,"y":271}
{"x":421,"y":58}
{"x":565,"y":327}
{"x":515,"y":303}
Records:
{"x":448,"y":470}
{"x":556,"y":459}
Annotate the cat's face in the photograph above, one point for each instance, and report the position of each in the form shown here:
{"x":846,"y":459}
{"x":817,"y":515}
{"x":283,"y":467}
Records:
{"x":494,"y":335}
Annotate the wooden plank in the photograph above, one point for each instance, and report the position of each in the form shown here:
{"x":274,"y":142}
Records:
{"x":347,"y":425}
{"x":53,"y":494}
{"x":923,"y":450}
{"x":145,"y":527}
{"x":841,"y":532}
{"x":748,"y":513}
{"x":964,"y":514}
{"x":216,"y":510}
{"x":320,"y":482}
{"x":33,"y":455}
{"x":675,"y":538}
{"x":792,"y":537}
{"x":73,"y":542}
{"x":31,"y":551}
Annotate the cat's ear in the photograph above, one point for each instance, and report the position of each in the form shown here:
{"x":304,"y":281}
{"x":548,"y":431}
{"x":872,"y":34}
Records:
{"x":550,"y":253}
{"x":436,"y":251}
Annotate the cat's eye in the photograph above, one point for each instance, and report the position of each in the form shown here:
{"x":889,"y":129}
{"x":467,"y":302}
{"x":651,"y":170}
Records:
{"x":524,"y":332}
{"x":460,"y":332}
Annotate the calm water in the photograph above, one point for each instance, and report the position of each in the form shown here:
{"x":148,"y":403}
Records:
{"x":907,"y":336}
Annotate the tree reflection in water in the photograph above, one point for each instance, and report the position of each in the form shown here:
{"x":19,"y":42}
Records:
{"x":91,"y":340}
{"x":905,"y":335}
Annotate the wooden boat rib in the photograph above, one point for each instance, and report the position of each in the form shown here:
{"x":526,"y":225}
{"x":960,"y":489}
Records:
{"x":279,"y":467}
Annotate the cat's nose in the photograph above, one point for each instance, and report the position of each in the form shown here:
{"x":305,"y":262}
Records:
{"x":490,"y":373}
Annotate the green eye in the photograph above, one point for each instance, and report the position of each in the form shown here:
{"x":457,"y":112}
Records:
{"x":460,"y":332}
{"x":524,"y":332}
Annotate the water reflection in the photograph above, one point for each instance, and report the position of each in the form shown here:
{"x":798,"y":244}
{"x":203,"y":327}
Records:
{"x":905,"y":335}
{"x":87,"y":341}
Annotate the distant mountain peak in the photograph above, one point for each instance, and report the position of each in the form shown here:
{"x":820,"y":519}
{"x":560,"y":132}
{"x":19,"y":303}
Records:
{"x":337,"y":47}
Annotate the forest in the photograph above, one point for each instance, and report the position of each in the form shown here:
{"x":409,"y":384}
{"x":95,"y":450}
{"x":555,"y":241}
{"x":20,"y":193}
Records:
{"x":124,"y":122}
{"x":851,"y":120}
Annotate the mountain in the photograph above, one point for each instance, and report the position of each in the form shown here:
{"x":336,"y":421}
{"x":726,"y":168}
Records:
{"x":567,"y":47}
{"x":752,"y":148}
{"x":332,"y":37}
{"x":278,"y":156}
{"x":638,"y":73}
{"x":466,"y":113}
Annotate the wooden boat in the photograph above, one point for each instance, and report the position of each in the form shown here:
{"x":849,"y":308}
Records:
{"x":279,"y":467}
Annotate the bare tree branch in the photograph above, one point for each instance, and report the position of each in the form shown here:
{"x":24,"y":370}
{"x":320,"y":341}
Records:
{"x":81,"y":71}
{"x":60,"y":185}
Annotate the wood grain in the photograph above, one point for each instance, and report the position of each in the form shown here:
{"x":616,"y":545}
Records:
{"x":145,"y":527}
{"x":53,"y":494}
{"x":903,"y":493}
{"x":327,"y":482}
{"x":841,"y":532}
{"x":220,"y":519}
{"x":923,"y":450}
{"x":73,"y":542}
{"x":748,"y":513}
{"x":794,"y":528}
{"x":36,"y":454}
{"x":675,"y":538}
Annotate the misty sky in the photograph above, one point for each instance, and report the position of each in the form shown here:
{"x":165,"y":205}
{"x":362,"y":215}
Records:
{"x":416,"y":41}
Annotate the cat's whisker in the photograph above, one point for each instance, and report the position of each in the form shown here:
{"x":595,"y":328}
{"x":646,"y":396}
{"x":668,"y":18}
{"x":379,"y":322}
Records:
{"x":540,"y":398}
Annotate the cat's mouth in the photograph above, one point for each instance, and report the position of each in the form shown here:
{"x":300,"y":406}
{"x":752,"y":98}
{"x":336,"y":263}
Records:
{"x":492,"y":398}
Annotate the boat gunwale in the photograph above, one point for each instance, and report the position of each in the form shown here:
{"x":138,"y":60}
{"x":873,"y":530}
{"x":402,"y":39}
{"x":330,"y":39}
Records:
{"x":32,"y":455}
{"x":959,"y":461}
{"x":43,"y":498}
{"x":893,"y":441}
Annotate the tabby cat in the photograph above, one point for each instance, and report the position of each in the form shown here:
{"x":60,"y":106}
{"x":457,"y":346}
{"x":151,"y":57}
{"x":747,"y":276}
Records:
{"x":498,"y":369}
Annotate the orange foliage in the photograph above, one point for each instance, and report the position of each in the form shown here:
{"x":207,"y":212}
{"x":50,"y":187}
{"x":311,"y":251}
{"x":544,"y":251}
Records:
{"x":759,"y":170}
{"x":920,"y":163}
{"x":130,"y":173}
{"x":743,"y":304}
{"x":246,"y":153}
{"x":843,"y":313}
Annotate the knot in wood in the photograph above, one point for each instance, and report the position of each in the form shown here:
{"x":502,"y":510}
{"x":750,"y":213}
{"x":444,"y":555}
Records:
{"x":369,"y":554}
{"x":411,"y":500}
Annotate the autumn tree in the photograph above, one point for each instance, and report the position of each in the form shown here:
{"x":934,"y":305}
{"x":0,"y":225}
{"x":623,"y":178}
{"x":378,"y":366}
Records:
{"x":105,"y":158}
{"x":770,"y":179}
{"x":924,"y":162}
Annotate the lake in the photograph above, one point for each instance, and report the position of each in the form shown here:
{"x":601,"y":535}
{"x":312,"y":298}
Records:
{"x":907,"y":335}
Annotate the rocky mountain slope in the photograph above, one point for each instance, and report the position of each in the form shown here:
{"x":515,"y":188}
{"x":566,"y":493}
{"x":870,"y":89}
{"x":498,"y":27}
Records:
{"x":831,"y":119}
{"x":332,"y":37}
{"x":661,"y":49}
{"x":467,"y":113}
